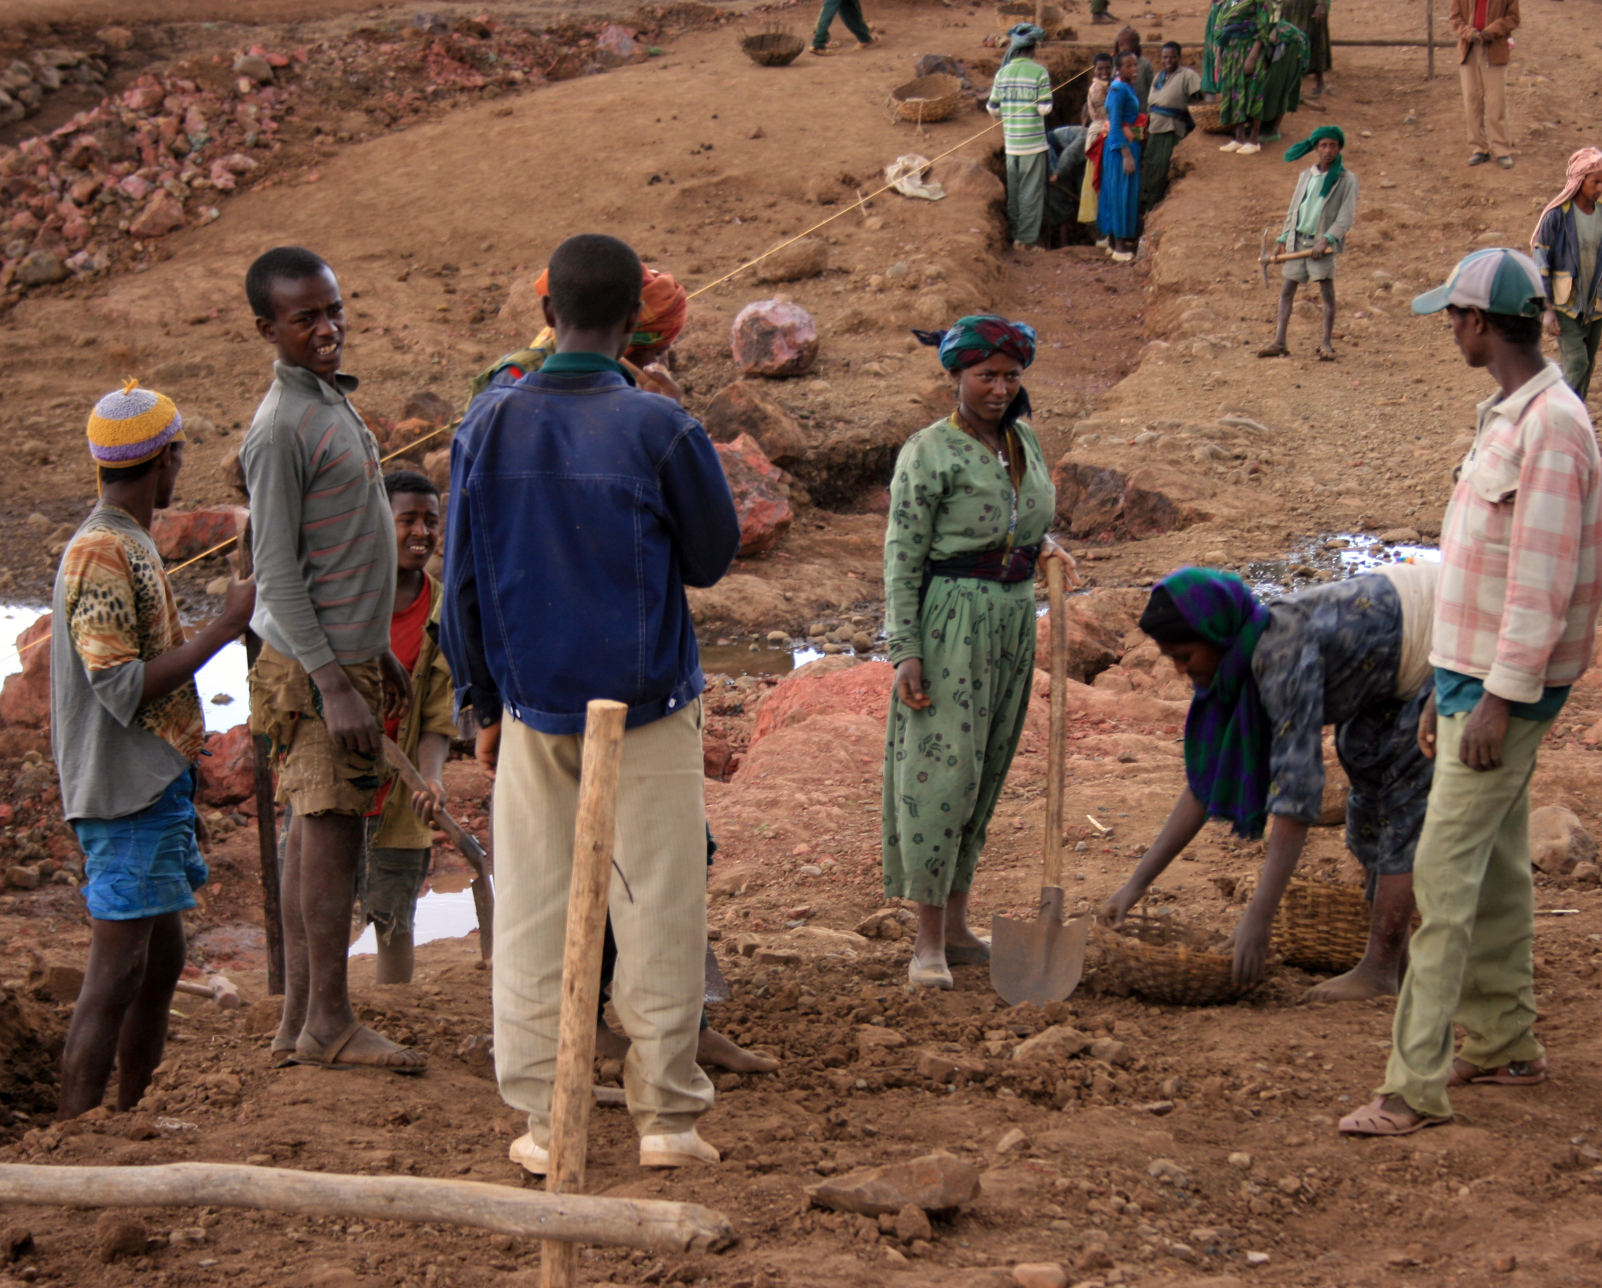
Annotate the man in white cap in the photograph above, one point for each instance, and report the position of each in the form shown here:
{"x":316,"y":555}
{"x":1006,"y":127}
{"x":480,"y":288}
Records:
{"x":1515,"y":621}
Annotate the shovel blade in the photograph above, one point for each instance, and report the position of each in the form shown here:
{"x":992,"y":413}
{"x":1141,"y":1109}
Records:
{"x":717,"y":988}
{"x":1038,"y":961}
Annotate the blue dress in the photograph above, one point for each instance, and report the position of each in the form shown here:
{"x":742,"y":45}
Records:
{"x":1118,"y":210}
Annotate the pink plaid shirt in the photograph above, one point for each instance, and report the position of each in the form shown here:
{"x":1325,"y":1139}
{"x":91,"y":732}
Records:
{"x":1521,"y":581}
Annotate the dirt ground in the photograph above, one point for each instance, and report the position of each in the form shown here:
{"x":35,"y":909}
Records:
{"x":1198,"y":1146}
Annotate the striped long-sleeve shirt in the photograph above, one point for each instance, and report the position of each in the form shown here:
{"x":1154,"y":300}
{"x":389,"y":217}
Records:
{"x":1521,"y":577}
{"x":322,"y":535}
{"x":1020,"y":97}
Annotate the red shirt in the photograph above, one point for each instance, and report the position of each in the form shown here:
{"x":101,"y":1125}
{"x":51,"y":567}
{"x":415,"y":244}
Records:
{"x":1479,"y":14}
{"x":406,"y":626}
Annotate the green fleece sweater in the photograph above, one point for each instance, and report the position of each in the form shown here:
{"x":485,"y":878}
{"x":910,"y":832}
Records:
{"x":322,"y":535}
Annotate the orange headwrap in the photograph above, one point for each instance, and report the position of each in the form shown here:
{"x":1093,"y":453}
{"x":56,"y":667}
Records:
{"x":664,"y":308}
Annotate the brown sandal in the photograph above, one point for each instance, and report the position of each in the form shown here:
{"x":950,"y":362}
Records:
{"x":1273,"y":351}
{"x":1374,"y":1119}
{"x":309,"y":1051}
{"x":1520,"y":1073}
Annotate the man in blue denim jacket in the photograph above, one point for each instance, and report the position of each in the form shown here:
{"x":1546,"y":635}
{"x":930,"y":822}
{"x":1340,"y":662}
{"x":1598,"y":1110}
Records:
{"x":580,"y":508}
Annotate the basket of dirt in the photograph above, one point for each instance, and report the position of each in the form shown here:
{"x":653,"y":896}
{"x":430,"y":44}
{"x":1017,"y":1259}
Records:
{"x":929,"y":98}
{"x":773,"y":48}
{"x":1164,"y":960}
{"x":1208,"y":118}
{"x":1319,"y":926}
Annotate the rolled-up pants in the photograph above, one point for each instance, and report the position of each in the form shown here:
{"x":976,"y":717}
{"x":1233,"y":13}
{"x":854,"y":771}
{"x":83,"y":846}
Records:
{"x":660,"y":979}
{"x":1472,"y":958}
{"x":1485,"y":103}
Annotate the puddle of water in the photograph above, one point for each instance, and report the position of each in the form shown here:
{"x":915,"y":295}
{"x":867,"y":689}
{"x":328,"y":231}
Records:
{"x":444,"y":912}
{"x":738,"y":659}
{"x":1361,"y":553}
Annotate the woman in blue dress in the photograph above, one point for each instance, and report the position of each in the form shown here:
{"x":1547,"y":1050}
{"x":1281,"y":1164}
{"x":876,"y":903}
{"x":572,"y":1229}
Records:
{"x":1118,"y":210}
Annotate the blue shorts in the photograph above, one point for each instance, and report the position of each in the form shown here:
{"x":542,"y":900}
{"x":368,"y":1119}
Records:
{"x":144,"y":864}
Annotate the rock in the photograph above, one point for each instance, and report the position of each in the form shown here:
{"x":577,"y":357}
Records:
{"x":760,"y":497}
{"x":1400,"y":537}
{"x":118,"y":38}
{"x":795,"y":262}
{"x":871,"y":1038}
{"x":254,"y":66}
{"x":427,"y":405}
{"x":1257,"y":1258}
{"x":1587,"y":872}
{"x":1559,"y":841}
{"x":837,"y":685}
{"x":21,"y":877}
{"x":40,"y":268}
{"x":862,"y":642}
{"x":1241,"y":1161}
{"x":228,"y":774}
{"x":1504,"y":1264}
{"x":746,"y":408}
{"x":933,"y":1183}
{"x":118,"y":1236}
{"x":949,"y":1067}
{"x":25,"y":698}
{"x":183,"y":534}
{"x":1012,"y":1139}
{"x":1094,"y":1257}
{"x":1100,"y":503}
{"x":16,"y":1242}
{"x":1112,"y":1051}
{"x":162,"y":215}
{"x":1096,"y":626}
{"x":1167,"y":1172}
{"x":780,"y":638}
{"x":774,"y":338}
{"x":965,"y":177}
{"x":58,"y":983}
{"x":912,"y":1222}
{"x":1039,"y":1274}
{"x":1059,"y":1042}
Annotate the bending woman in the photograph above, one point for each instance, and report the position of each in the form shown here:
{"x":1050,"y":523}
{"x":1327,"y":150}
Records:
{"x":1352,"y":653}
{"x":969,"y":507}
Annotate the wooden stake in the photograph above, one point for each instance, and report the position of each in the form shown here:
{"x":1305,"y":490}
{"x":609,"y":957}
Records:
{"x":261,"y":747}
{"x":652,"y":1225}
{"x":581,"y":970}
{"x":1429,"y":39}
{"x":1057,"y":746}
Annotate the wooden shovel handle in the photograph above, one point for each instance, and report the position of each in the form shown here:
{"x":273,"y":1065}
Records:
{"x":1057,"y":748}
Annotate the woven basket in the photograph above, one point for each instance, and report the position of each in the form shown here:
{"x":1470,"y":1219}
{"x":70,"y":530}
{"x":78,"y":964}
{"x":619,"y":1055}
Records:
{"x":929,"y":98}
{"x":1164,"y":962}
{"x":1009,"y":15}
{"x":1319,"y":926}
{"x":773,"y":48}
{"x":1207,"y":117}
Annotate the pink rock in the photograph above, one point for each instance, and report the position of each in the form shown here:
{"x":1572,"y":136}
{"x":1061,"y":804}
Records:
{"x":195,"y":121}
{"x":856,"y":688}
{"x":760,"y":496}
{"x":143,"y":97}
{"x":161,"y":216}
{"x":135,"y":186}
{"x":615,"y":44}
{"x":228,"y":774}
{"x":773,"y":338}
{"x":183,"y":534}
{"x":935,"y":1183}
{"x":25,"y":699}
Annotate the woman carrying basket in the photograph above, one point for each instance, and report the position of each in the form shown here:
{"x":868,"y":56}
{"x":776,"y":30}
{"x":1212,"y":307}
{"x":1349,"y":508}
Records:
{"x":1354,"y":654}
{"x":970,"y":503}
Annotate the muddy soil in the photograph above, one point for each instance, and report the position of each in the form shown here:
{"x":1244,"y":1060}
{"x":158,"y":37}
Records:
{"x":1198,"y":1145}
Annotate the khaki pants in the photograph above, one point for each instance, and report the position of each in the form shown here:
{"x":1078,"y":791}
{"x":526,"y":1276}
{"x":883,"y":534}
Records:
{"x":1485,"y":103}
{"x":660,"y":981}
{"x":1472,"y":958}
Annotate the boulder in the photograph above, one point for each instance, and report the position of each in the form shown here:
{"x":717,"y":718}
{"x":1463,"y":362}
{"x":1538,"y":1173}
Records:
{"x":25,"y":699}
{"x":40,"y":268}
{"x":118,"y":1236}
{"x":860,"y":688}
{"x":746,"y":408}
{"x":1559,"y":841}
{"x":795,"y":262}
{"x":760,"y":496}
{"x":774,"y":338}
{"x":183,"y":534}
{"x":1100,"y":503}
{"x":912,"y":1222}
{"x":965,"y":177}
{"x":254,"y":66}
{"x":228,"y":774}
{"x":615,"y":45}
{"x":853,"y":461}
{"x":933,"y":1183}
{"x":162,"y":214}
{"x":1096,"y":626}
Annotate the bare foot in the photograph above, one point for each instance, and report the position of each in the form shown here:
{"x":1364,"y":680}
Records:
{"x":713,"y":1048}
{"x":609,"y":1044}
{"x":1359,"y":984}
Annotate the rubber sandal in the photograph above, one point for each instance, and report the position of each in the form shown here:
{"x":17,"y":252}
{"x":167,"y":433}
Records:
{"x":1520,"y":1073}
{"x":1374,"y":1119}
{"x":1326,"y":354}
{"x":309,"y":1051}
{"x":921,"y":976}
{"x":1273,"y":351}
{"x":979,"y":956}
{"x":280,"y":1057}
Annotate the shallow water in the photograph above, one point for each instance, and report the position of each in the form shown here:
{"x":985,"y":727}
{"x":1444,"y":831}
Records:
{"x":741,"y":659}
{"x":1362,"y":553}
{"x":445,"y":911}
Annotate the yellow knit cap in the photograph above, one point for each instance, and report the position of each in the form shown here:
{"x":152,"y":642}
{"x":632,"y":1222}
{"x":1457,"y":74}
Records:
{"x":130,"y":425}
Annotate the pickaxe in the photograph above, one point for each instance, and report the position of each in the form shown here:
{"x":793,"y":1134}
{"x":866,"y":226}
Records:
{"x":464,"y":841}
{"x":1266,"y":257}
{"x":219,"y":988}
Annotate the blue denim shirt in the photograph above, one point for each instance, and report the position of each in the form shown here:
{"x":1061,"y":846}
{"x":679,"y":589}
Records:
{"x":580,"y":509}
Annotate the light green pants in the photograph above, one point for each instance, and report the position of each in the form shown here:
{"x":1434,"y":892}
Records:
{"x":1577,"y":344}
{"x":1472,"y":958}
{"x":1026,"y":195}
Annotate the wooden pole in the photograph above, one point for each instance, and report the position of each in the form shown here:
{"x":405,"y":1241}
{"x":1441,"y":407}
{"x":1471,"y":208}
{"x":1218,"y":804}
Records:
{"x":1057,"y":745}
{"x":261,"y":747}
{"x":652,"y":1225}
{"x":1429,"y":39}
{"x":581,"y":970}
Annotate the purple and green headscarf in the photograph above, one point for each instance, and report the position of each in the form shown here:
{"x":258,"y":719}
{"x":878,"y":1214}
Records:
{"x":1227,"y":732}
{"x":970,"y":340}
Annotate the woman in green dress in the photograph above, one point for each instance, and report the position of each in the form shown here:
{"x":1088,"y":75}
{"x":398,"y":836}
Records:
{"x":1244,"y":33}
{"x":970,"y":504}
{"x":1287,"y":55}
{"x":1209,"y":67}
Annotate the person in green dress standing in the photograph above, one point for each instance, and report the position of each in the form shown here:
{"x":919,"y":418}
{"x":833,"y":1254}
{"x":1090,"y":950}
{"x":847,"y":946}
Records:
{"x":1244,"y":33}
{"x":1286,"y":55}
{"x":970,"y":504}
{"x":1209,"y":67}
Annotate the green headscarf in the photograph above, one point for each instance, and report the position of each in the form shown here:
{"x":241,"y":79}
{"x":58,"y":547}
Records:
{"x":1297,"y":151}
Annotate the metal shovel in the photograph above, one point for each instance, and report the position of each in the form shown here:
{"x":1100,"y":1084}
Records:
{"x":1040,"y":961}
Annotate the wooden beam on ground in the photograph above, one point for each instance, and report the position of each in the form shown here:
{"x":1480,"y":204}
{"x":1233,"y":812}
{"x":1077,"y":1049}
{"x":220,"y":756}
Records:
{"x":652,"y":1225}
{"x":581,"y":969}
